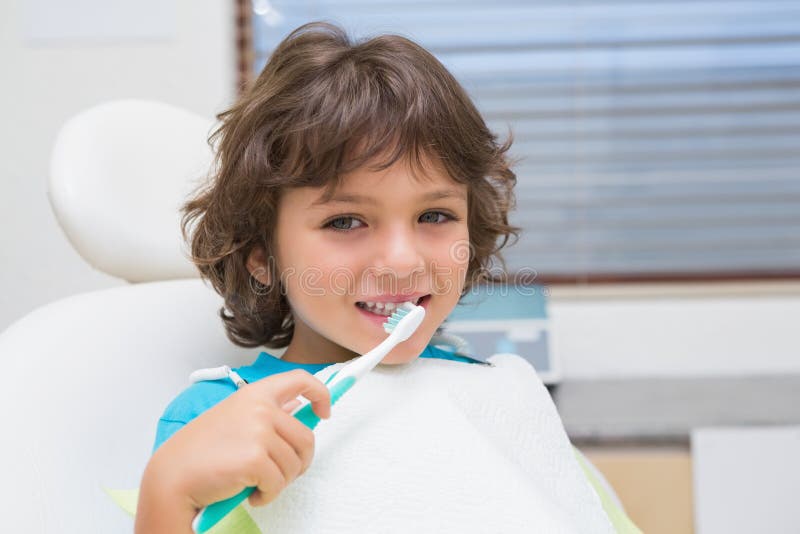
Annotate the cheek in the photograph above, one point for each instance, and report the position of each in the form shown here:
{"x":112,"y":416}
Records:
{"x":312,"y":267}
{"x":329,"y":264}
{"x":453,"y":262}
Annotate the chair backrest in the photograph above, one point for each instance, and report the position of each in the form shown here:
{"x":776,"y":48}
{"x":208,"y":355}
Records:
{"x":119,"y":173}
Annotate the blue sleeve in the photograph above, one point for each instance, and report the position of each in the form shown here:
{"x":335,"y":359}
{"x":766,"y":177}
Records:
{"x":165,"y":429}
{"x":192,"y":402}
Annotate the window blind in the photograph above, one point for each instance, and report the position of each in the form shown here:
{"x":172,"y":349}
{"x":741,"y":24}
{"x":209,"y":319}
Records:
{"x":652,"y":136}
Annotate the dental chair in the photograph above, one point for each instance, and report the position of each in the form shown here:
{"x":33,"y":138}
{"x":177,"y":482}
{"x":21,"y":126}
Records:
{"x":87,"y":377}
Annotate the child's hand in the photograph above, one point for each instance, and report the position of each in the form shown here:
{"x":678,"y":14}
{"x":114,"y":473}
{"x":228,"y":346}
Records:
{"x":249,"y":439}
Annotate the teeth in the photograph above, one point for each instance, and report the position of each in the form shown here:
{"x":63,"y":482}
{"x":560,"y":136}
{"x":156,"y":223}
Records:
{"x":382,"y":308}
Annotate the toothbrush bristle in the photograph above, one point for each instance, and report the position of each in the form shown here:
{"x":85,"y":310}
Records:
{"x":394,"y":319}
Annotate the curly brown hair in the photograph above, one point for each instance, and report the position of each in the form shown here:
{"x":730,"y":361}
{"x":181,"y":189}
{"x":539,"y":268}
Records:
{"x":323,"y":106}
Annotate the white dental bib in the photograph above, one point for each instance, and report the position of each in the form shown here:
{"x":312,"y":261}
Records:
{"x":440,"y":446}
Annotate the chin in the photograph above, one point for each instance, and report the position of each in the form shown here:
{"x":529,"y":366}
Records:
{"x":405,"y":352}
{"x":393,"y":360}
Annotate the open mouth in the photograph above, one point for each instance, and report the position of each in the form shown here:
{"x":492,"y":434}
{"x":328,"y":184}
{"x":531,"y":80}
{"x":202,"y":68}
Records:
{"x":387,"y":308}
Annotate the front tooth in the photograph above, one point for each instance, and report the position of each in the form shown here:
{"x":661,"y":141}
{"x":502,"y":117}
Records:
{"x":379,"y":305}
{"x":389,"y":306}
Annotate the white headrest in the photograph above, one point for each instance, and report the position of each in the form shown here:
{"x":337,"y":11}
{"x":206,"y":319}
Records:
{"x":119,"y":174}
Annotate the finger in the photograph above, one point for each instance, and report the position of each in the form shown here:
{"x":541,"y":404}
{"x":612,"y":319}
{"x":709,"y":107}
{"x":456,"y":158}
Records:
{"x":290,"y":406}
{"x":298,"y":436}
{"x":270,"y":484}
{"x":257,"y":498}
{"x":287,"y":386}
{"x":286,"y":458}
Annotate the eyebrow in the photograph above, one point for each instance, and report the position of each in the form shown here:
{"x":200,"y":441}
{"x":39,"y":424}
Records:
{"x":351,"y":198}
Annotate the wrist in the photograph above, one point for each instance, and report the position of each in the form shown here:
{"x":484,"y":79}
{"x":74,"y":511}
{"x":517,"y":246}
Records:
{"x":163,"y":506}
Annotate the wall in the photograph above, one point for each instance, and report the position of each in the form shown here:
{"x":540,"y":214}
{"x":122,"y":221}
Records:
{"x":191,"y":65}
{"x":608,"y":331}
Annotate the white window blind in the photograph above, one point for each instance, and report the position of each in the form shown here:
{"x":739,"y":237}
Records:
{"x":655,"y":137}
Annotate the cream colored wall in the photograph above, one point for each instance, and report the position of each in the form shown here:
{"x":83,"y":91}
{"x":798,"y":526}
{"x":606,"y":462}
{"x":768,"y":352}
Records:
{"x":45,"y":84}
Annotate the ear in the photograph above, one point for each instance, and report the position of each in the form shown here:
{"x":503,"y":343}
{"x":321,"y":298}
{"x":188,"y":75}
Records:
{"x":257,"y":265}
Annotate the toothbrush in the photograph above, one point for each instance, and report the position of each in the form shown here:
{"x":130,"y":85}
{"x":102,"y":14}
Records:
{"x":400,"y":325}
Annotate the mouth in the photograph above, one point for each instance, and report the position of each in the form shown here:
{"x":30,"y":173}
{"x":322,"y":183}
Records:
{"x":385,"y":309}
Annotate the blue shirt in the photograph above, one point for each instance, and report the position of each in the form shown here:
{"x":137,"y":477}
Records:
{"x":201,"y":396}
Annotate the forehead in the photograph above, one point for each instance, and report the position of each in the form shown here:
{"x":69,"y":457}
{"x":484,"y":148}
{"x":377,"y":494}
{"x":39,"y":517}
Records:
{"x":402,"y":180}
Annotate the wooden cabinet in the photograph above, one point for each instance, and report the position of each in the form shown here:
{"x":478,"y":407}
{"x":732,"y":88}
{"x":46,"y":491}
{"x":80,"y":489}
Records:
{"x":654,"y":484}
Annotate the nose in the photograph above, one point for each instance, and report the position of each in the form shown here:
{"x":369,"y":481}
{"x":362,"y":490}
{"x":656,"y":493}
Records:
{"x":399,"y":253}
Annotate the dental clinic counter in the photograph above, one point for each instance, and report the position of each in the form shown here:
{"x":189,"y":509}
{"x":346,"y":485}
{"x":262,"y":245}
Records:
{"x":664,"y":411}
{"x":638,"y":432}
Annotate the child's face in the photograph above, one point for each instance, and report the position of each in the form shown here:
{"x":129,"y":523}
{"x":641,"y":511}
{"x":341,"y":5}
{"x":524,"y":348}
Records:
{"x":385,"y":237}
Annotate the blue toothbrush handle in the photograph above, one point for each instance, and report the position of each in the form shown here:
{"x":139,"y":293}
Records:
{"x":307,"y":416}
{"x":213,"y":513}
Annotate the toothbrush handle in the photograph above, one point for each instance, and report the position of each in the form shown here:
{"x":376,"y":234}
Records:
{"x":213,"y":513}
{"x":307,"y":416}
